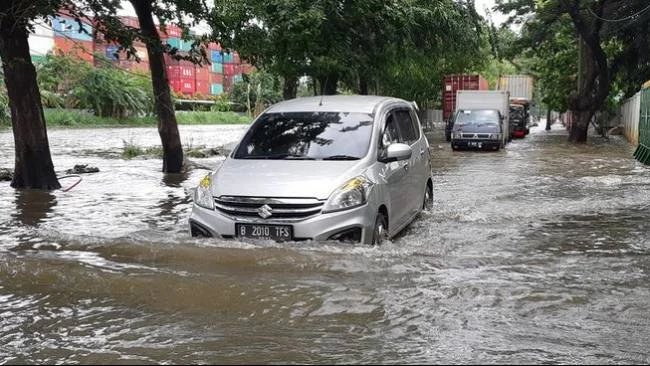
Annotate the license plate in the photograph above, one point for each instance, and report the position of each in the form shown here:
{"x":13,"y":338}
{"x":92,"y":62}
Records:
{"x":474,"y":144}
{"x":273,"y":232}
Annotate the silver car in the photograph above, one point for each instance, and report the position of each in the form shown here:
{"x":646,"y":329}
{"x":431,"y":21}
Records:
{"x":347,"y":168}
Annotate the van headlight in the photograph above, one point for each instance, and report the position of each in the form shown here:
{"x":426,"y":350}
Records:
{"x":495,"y":136}
{"x":457,"y":135}
{"x":352,"y":194}
{"x":202,"y":195}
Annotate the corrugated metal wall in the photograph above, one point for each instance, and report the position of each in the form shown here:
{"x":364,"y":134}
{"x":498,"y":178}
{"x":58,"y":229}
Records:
{"x":642,"y":152}
{"x":630,"y":114}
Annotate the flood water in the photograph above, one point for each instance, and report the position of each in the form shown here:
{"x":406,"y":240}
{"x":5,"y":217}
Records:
{"x":536,"y":254}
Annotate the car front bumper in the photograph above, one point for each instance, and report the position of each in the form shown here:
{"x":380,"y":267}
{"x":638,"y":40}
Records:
{"x":322,"y":226}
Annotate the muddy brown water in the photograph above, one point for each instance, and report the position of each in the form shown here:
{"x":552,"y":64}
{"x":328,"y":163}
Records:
{"x":539,"y":254}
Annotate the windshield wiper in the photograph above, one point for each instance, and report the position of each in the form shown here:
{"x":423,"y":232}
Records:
{"x":341,"y":157}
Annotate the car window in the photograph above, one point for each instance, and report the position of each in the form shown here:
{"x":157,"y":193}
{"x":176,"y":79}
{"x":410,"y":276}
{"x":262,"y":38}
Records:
{"x":308,"y":135}
{"x":406,"y":126}
{"x":391,"y":133}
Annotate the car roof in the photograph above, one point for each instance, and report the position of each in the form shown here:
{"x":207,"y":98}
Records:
{"x":333,"y":103}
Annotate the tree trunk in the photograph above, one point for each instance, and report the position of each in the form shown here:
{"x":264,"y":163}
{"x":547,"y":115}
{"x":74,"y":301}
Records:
{"x":290,"y":87}
{"x":329,"y":84}
{"x":33,"y":164}
{"x":580,"y":126}
{"x":548,"y":120}
{"x":164,"y":107}
{"x":363,"y":85}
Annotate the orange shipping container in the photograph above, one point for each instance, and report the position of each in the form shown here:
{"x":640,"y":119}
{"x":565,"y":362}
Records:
{"x":82,"y":50}
{"x":216,"y":78}
{"x":202,"y":72}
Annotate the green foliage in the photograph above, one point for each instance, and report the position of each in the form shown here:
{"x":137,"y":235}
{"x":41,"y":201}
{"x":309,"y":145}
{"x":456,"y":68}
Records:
{"x":5,"y":113}
{"x":258,"y":87}
{"x":107,"y":91}
{"x":79,"y":118}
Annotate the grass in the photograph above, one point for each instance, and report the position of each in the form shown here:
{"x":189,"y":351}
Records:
{"x":77,"y":118}
{"x":131,"y":150}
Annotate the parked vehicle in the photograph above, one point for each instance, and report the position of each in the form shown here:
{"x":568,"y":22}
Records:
{"x":451,"y":85}
{"x":488,"y":100}
{"x":520,"y":88}
{"x":520,"y":120}
{"x":352,"y":168}
{"x":477,"y":129}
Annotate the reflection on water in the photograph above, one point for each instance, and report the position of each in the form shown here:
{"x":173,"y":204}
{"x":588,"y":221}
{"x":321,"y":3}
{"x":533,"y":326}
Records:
{"x":33,"y":206}
{"x":536,"y":254}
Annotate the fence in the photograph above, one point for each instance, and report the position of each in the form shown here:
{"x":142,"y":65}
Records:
{"x":642,"y":152}
{"x":630,"y":114}
{"x":429,"y":118}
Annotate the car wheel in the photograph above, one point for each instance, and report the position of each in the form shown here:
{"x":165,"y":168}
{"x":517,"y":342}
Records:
{"x":454,"y":147}
{"x":428,"y":198}
{"x":380,"y":232}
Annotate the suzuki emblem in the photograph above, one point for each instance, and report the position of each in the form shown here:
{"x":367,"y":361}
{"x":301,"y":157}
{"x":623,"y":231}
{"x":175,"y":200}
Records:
{"x":265,"y":211}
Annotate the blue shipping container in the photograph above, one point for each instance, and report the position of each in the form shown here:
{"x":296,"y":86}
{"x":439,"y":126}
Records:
{"x":228,"y":58}
{"x":69,"y":28}
{"x":238,"y":77}
{"x":186,"y":46}
{"x":217,"y":68}
{"x":111,"y":53}
{"x":174,"y":42}
{"x":216,"y":56}
{"x":216,"y":89}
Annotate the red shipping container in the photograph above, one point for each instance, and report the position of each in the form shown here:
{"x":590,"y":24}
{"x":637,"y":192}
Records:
{"x":170,"y":30}
{"x":202,"y":73}
{"x":175,"y":85}
{"x":130,"y":21}
{"x":188,"y":86}
{"x":229,"y":69}
{"x":82,"y":50}
{"x":214,"y":46}
{"x":203,"y":87}
{"x":216,"y":78}
{"x":453,"y":83}
{"x":180,"y":72}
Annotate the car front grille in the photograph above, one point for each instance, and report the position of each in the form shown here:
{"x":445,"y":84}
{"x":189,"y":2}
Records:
{"x":476,"y":135}
{"x":268,"y":208}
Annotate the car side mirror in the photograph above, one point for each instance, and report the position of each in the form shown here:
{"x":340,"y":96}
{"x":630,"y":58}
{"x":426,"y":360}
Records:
{"x":396,"y":152}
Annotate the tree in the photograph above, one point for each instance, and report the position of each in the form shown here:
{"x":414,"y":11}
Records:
{"x":606,"y":37}
{"x":33,"y":161}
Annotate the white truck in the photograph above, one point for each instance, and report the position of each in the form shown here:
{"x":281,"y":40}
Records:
{"x":468,"y":100}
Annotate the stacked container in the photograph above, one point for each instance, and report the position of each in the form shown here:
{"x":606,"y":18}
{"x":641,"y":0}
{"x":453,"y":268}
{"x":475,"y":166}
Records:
{"x":216,"y":70}
{"x":71,"y":38}
{"x":453,"y":83}
{"x":41,"y":42}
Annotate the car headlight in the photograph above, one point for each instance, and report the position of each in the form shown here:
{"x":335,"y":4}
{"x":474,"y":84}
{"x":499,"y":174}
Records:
{"x":352,"y":194}
{"x":202,"y":195}
{"x":458,"y":135}
{"x":495,"y":136}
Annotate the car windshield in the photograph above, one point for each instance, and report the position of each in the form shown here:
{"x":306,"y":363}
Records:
{"x":308,"y":136}
{"x":476,"y":117}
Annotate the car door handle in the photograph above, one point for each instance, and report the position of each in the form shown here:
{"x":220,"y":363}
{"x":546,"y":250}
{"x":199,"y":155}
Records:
{"x":422,"y":151}
{"x":406,"y":166}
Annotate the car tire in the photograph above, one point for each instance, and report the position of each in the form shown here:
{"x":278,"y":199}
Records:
{"x":428,"y":198}
{"x":380,"y":231}
{"x":454,"y":148}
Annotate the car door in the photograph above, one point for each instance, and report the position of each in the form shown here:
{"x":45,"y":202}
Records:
{"x":414,"y":166}
{"x":395,"y":175}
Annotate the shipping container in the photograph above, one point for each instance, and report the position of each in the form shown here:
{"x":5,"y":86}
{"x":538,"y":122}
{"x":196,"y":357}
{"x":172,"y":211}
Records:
{"x":142,"y":53}
{"x":111,"y":52}
{"x":180,"y":72}
{"x":202,"y":72}
{"x":170,"y":31}
{"x":82,"y":50}
{"x":519,"y":86}
{"x":216,"y":78}
{"x":454,"y":83}
{"x":237,"y":78}
{"x":66,"y":27}
{"x":174,"y":42}
{"x":229,"y":69}
{"x":214,"y":46}
{"x":188,"y":86}
{"x":216,"y":56}
{"x":42,"y":30}
{"x":487,"y":99}
{"x":217,"y":67}
{"x":216,"y":89}
{"x":40,"y":45}
{"x":228,"y":58}
{"x":203,"y":87}
{"x":130,"y":21}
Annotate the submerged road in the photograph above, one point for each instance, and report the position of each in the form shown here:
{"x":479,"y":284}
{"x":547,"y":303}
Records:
{"x":539,"y":253}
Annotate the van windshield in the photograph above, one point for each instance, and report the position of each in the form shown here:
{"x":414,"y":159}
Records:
{"x":476,"y":117}
{"x":308,"y":136}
